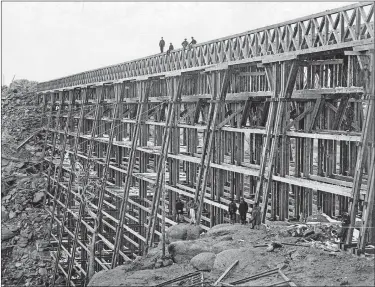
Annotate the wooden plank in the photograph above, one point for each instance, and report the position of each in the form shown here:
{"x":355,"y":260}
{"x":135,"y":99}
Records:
{"x":340,"y":112}
{"x":360,"y":164}
{"x":29,"y":138}
{"x":368,"y":206}
{"x":326,"y":62}
{"x":222,"y":276}
{"x":251,"y":74}
{"x":256,"y":276}
{"x":290,"y":283}
{"x":228,"y":119}
{"x":267,"y":140}
{"x":299,"y":117}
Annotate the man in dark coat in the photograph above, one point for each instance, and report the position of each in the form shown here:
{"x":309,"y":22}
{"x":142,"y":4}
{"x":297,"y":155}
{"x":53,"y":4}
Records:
{"x":161,"y":45}
{"x":184,"y":44}
{"x":243,"y":208}
{"x":256,"y":216}
{"x":345,"y":222}
{"x":192,"y":43}
{"x":179,"y":209}
{"x":170,"y":48}
{"x":232,"y":208}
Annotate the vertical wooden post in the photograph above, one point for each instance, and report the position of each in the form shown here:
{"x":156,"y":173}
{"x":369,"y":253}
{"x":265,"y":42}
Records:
{"x":369,"y":86}
{"x":207,"y":146}
{"x":287,"y":81}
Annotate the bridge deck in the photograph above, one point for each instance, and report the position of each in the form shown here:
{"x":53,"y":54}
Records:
{"x":343,"y":27}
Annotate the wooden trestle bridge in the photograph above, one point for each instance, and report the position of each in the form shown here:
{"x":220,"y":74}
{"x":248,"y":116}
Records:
{"x":281,"y":115}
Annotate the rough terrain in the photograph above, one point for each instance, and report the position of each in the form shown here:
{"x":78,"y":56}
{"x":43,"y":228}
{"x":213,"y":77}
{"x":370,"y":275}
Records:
{"x":24,"y":222}
{"x":318,"y":264}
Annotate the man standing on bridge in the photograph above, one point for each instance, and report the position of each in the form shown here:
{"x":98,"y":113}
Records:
{"x":170,"y":48}
{"x":161,"y":45}
{"x":184,"y":44}
{"x":192,"y":43}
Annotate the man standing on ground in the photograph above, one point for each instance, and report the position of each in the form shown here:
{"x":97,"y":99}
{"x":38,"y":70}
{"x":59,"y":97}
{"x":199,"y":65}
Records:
{"x":193,"y":209}
{"x":232,"y":208}
{"x":179,"y":209}
{"x":345,"y":222}
{"x":161,"y":45}
{"x":256,"y":218}
{"x":243,"y":208}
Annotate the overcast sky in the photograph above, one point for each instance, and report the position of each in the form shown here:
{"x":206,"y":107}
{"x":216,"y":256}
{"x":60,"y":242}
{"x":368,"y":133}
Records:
{"x":43,"y":41}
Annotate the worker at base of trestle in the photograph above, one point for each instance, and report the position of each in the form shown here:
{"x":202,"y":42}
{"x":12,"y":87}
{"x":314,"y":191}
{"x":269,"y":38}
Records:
{"x":232,"y":209}
{"x":243,"y":208}
{"x":193,"y":211}
{"x":179,"y":210}
{"x":345,"y":222}
{"x":256,"y":219}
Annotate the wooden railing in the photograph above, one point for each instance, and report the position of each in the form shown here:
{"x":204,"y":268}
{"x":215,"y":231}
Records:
{"x":333,"y":29}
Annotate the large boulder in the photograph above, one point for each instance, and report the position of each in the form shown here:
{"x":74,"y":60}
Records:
{"x":249,"y":260}
{"x":203,"y":261}
{"x":225,"y":258}
{"x":180,"y":232}
{"x":184,"y":251}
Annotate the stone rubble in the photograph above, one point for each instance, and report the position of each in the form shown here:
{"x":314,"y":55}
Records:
{"x":25,"y":223}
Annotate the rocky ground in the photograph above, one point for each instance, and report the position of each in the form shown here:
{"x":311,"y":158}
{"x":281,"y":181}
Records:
{"x":24,"y":222}
{"x":318,"y":263}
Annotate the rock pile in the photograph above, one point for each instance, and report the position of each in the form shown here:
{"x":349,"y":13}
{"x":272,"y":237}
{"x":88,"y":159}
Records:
{"x":24,"y":221}
{"x":20,"y":111}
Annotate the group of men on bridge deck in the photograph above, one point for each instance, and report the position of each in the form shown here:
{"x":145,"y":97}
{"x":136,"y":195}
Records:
{"x":192,"y":207}
{"x":185,"y":45}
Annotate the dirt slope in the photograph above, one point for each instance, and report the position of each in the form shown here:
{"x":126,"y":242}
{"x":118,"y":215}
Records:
{"x":305,"y":266}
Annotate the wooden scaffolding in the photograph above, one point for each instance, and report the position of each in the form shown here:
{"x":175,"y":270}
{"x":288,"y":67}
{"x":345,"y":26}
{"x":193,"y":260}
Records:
{"x":282,"y":116}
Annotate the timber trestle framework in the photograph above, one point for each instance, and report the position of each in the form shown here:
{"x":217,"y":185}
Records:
{"x":282,"y":116}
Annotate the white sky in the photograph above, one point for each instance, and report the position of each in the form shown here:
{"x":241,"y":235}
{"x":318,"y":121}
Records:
{"x":43,"y":41}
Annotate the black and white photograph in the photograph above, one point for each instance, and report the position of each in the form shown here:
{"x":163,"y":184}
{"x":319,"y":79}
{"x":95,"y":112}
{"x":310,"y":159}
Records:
{"x":187,"y":144}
